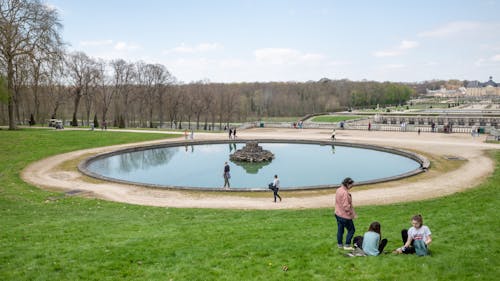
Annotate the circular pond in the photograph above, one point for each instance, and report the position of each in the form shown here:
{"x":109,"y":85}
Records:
{"x":299,"y":165}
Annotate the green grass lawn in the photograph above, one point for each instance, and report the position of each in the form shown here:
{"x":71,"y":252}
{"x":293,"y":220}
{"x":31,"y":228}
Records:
{"x":88,"y":239}
{"x":334,"y":118}
{"x":281,"y":119}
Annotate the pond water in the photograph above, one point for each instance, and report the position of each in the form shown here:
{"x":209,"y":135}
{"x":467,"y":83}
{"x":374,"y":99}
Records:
{"x":297,"y":165}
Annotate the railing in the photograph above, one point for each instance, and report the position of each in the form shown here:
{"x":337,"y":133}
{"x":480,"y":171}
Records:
{"x":373,"y":127}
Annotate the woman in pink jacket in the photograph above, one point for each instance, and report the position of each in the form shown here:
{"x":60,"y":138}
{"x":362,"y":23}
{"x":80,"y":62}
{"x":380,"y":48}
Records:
{"x":344,"y":213}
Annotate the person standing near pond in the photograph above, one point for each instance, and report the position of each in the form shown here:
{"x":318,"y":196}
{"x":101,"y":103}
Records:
{"x":275,"y":187}
{"x":234,"y":133}
{"x":344,"y":214}
{"x":226,"y":175}
{"x":230,"y":133}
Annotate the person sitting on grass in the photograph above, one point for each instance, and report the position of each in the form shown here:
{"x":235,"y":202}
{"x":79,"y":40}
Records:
{"x":416,"y":239}
{"x":370,"y":244}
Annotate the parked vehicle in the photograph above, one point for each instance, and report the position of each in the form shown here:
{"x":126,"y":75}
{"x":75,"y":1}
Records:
{"x":56,"y":123}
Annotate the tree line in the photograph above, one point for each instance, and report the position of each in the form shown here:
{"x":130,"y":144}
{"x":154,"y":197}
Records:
{"x":40,"y":80}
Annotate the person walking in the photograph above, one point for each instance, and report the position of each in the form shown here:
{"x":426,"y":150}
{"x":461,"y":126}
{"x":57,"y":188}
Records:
{"x":234,"y":133}
{"x":333,"y":134}
{"x":226,"y":175}
{"x":230,"y":133}
{"x":344,"y":214}
{"x":275,"y":187}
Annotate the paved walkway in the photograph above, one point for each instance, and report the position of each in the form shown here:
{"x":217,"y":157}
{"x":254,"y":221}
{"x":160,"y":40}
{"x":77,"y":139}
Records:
{"x":47,"y":173}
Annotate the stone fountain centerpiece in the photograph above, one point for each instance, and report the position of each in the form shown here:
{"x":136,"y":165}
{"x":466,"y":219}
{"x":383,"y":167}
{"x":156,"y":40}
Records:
{"x":252,"y":152}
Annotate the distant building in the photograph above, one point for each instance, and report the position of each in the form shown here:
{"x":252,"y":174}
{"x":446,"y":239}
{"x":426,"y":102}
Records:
{"x":490,"y":83}
{"x":477,"y":89}
{"x":445,"y":93}
{"x":472,"y":89}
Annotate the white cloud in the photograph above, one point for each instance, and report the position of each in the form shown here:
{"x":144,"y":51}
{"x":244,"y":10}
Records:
{"x":200,"y":48}
{"x":339,"y":63}
{"x":392,"y":53}
{"x":96,"y":43}
{"x":406,"y":45}
{"x":452,"y":28}
{"x":398,"y":50}
{"x":282,"y":56}
{"x":393,"y":66}
{"x":123,"y":46}
{"x":479,"y":62}
{"x":487,"y":61}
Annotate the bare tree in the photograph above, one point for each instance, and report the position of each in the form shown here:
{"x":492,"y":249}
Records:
{"x":105,"y":93}
{"x":41,"y":66}
{"x":19,"y":81}
{"x":123,"y":79}
{"x":162,"y":79}
{"x":146,"y":80}
{"x":81,"y":74}
{"x":96,"y":72}
{"x":174,"y":106}
{"x":197,"y":102}
{"x":26,"y":26}
{"x":57,"y":92}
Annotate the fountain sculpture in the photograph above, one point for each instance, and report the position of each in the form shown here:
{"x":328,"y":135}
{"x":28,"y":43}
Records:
{"x":252,"y":152}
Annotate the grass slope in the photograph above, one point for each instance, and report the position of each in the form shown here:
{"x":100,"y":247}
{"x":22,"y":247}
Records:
{"x":334,"y":118}
{"x":88,"y":239}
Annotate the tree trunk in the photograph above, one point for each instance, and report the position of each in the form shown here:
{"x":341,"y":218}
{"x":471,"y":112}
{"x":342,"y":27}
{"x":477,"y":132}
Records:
{"x":10,"y":89}
{"x":74,"y":122}
{"x":161,"y":111}
{"x":12,"y":123}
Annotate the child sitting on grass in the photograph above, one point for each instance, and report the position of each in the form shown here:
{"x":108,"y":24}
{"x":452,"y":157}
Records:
{"x":371,"y":243}
{"x":416,"y":239}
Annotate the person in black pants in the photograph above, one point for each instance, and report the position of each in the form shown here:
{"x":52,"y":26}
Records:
{"x":226,"y":175}
{"x":275,"y":187}
{"x":371,"y":243}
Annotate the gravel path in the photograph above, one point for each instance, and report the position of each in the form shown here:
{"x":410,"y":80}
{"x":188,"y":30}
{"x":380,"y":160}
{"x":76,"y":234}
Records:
{"x":47,"y":174}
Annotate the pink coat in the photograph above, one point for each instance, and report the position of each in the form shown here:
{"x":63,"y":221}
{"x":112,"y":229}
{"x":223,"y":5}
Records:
{"x":343,"y":204}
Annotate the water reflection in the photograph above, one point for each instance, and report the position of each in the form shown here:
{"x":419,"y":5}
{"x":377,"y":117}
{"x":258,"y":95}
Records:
{"x":144,"y":159}
{"x":232,"y":146}
{"x":192,"y":148}
{"x":251,"y":167}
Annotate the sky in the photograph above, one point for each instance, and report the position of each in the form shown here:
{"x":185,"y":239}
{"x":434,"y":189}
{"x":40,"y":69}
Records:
{"x":275,"y":40}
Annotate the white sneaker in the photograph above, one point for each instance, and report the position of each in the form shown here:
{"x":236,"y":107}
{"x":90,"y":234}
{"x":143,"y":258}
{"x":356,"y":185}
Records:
{"x":348,"y":248}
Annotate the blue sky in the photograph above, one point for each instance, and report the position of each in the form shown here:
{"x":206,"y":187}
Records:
{"x":273,"y":40}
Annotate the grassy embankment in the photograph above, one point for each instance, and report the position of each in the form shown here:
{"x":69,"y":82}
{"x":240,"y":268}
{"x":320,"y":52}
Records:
{"x":334,"y":118}
{"x":88,"y":239}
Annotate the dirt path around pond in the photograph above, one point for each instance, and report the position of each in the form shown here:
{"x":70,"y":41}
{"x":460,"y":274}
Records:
{"x":49,"y":173}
